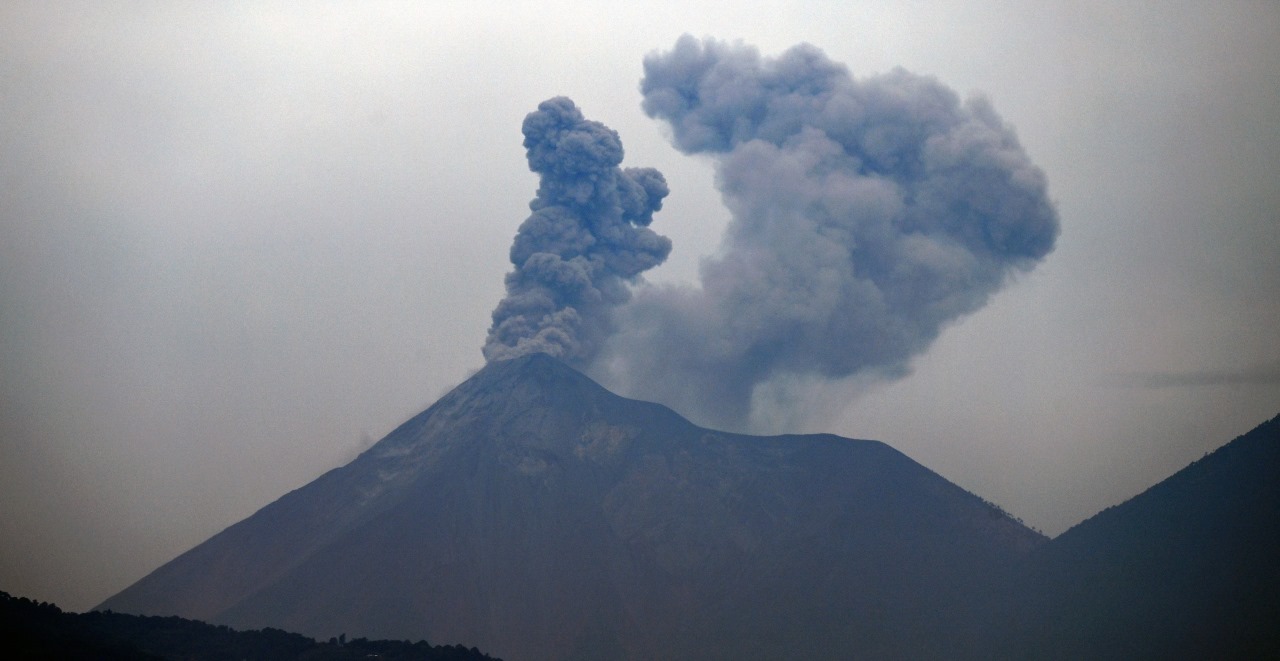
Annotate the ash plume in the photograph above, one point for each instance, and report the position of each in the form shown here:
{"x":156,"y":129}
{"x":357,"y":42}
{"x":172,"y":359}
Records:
{"x":866,"y":216}
{"x":586,"y":240}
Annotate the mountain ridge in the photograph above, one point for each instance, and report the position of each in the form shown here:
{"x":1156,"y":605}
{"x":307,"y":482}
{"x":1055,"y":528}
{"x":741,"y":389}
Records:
{"x":1185,"y":569}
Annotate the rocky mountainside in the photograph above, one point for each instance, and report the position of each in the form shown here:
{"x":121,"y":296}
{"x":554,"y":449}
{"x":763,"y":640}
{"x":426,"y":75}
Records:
{"x":1189,"y":569}
{"x":535,"y":515}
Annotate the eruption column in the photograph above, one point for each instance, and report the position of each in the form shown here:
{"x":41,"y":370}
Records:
{"x":586,"y":240}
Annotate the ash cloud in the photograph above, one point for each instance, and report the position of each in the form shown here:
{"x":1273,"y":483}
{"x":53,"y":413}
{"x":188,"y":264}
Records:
{"x":866,"y":216}
{"x":586,"y":240}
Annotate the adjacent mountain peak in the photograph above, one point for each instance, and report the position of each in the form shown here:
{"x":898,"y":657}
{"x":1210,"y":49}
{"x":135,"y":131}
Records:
{"x":1186,"y":569}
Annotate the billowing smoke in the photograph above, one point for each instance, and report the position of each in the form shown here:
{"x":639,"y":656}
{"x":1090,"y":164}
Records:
{"x":866,"y":216}
{"x":587,"y":238}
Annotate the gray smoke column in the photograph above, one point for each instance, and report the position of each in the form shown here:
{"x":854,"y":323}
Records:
{"x":867,"y":215}
{"x":585,"y":242}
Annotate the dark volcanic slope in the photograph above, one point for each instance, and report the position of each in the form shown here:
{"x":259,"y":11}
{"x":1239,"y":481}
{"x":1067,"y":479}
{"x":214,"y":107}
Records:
{"x":535,"y":515}
{"x":1189,"y":569}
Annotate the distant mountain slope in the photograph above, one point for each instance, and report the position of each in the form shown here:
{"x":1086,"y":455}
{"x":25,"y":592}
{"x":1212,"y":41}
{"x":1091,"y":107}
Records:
{"x":535,"y":515}
{"x":1189,"y":569}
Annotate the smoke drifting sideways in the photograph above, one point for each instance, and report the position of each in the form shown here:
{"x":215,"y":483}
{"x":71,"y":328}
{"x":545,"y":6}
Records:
{"x":866,"y":216}
{"x":586,"y":240}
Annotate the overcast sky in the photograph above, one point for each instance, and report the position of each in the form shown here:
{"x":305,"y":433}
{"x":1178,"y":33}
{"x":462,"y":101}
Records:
{"x":239,"y":242}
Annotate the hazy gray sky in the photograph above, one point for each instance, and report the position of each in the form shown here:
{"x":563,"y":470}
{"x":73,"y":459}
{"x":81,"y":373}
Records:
{"x":241,"y":241}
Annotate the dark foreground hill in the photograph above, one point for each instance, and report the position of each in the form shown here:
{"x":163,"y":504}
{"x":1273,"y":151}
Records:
{"x":535,"y":515}
{"x":1189,"y":569}
{"x":31,"y":631}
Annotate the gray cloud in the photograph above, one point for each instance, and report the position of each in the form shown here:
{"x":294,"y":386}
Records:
{"x":1264,"y":374}
{"x":587,"y":238}
{"x":867,"y":215}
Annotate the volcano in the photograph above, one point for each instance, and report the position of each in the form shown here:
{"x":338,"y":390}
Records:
{"x":535,"y":515}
